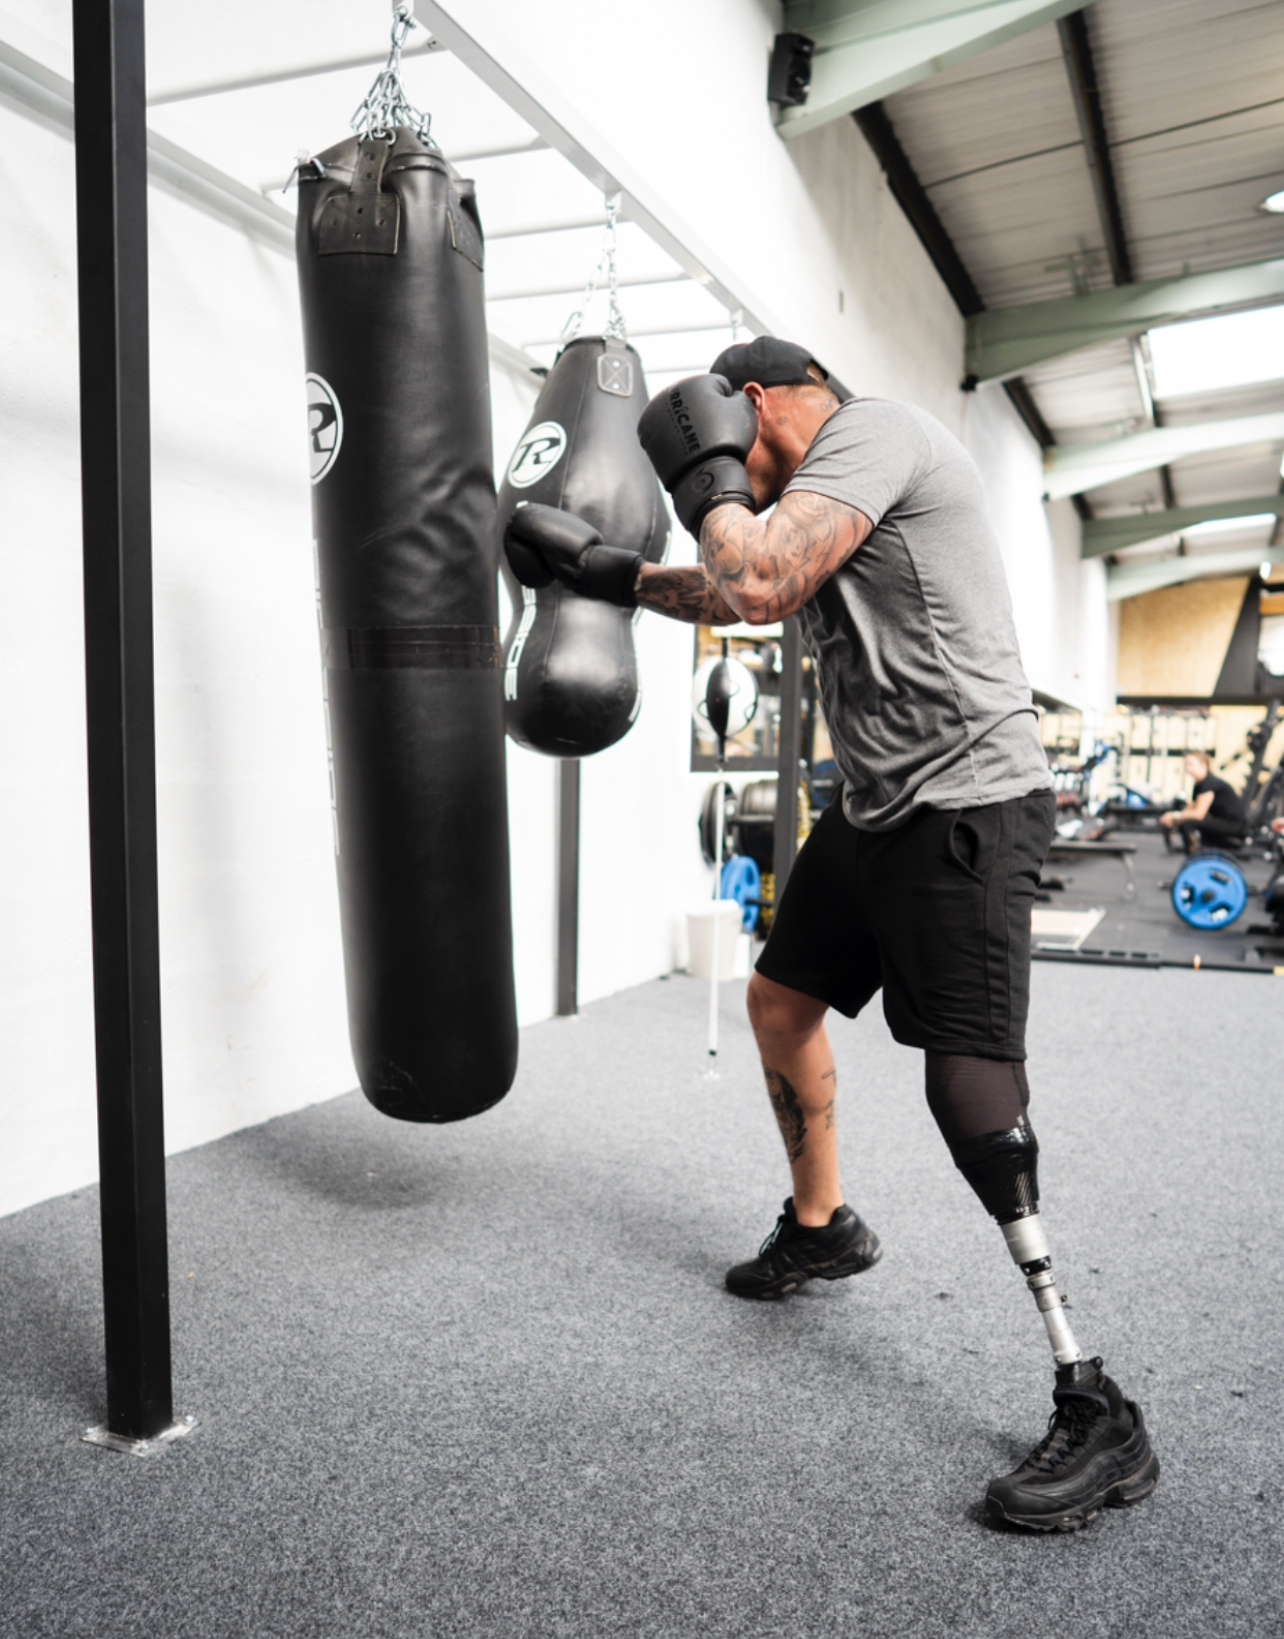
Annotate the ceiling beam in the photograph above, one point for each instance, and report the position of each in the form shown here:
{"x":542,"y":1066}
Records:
{"x":1076,"y":48}
{"x":1011,"y":339}
{"x":1070,"y":469}
{"x":1130,"y":580}
{"x":867,"y":49}
{"x":910,"y":194}
{"x":1104,"y":535}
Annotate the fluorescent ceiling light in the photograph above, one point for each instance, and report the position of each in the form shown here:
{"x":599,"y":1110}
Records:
{"x":1231,"y":350}
{"x":1274,"y":202}
{"x":1231,"y":526}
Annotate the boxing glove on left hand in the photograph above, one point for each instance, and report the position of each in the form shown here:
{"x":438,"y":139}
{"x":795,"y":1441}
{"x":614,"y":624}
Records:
{"x":698,"y":434}
{"x":543,"y":544}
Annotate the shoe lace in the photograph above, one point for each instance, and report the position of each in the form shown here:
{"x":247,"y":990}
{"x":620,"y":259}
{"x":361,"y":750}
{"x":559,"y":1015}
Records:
{"x":774,"y":1236}
{"x":1068,"y":1430}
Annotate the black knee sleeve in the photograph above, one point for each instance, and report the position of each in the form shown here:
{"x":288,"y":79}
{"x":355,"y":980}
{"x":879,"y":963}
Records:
{"x":1003,"y":1169}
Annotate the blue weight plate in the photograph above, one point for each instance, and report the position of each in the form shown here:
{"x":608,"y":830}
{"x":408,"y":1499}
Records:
{"x":741,"y":881}
{"x":1209,"y":891}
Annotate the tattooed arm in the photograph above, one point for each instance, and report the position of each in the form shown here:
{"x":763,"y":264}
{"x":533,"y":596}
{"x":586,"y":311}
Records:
{"x":766,"y":569}
{"x":755,"y":570}
{"x":682,"y":594}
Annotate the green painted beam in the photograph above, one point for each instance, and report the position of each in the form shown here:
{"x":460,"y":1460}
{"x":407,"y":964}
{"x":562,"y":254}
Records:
{"x":1012,"y":339}
{"x":1130,"y":580}
{"x":1102,"y":535}
{"x":1070,"y":469}
{"x":867,"y":49}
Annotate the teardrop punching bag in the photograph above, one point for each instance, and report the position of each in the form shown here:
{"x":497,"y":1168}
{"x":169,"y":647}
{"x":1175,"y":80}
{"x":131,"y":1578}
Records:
{"x":390,"y":270}
{"x":570,"y":670}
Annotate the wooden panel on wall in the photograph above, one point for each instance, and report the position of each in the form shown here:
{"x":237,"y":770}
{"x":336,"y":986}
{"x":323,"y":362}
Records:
{"x":1174,"y":641}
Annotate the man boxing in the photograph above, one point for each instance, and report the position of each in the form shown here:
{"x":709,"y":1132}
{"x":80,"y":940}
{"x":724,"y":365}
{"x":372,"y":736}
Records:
{"x":920,"y":880}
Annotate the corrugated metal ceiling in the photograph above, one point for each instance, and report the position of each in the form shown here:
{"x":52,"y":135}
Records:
{"x":1192,"y":97}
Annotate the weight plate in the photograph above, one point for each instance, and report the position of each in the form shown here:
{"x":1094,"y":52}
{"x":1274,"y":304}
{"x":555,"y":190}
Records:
{"x":1209,"y":891}
{"x":742,"y":881}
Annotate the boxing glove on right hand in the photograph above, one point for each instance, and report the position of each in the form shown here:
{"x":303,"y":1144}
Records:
{"x":698,"y":434}
{"x":545,"y":543}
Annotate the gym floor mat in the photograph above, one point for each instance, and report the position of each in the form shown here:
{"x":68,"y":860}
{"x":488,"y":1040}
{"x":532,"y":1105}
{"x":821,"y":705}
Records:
{"x":1139,"y":927}
{"x":1061,"y":929}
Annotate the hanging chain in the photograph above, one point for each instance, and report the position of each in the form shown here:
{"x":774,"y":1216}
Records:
{"x":615,"y":329}
{"x":386,"y":105}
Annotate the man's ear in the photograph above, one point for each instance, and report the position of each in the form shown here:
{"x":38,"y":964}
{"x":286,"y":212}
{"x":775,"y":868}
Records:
{"x":755,"y":394}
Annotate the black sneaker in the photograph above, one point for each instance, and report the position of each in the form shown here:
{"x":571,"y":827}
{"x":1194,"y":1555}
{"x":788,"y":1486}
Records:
{"x":1096,"y":1454}
{"x":792,"y":1255}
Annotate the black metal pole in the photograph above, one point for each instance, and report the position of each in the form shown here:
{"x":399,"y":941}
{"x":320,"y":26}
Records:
{"x":789,"y":751}
{"x":568,"y":886}
{"x":111,"y":230}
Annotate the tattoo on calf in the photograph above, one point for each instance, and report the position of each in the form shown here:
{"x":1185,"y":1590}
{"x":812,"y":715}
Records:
{"x":788,"y":1111}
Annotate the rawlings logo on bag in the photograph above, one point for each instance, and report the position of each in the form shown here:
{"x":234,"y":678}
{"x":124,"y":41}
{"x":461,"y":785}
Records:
{"x":325,"y":426}
{"x":537,"y":454}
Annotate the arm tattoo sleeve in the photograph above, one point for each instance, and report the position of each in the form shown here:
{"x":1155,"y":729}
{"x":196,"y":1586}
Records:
{"x":770,"y":569}
{"x":789,"y":1113}
{"x":683,"y":594}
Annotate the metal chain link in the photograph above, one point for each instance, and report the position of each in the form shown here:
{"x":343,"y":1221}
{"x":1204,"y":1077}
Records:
{"x":615,"y":328}
{"x":386,"y":105}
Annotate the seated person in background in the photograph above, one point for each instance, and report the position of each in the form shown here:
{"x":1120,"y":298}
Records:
{"x":1215,"y":813}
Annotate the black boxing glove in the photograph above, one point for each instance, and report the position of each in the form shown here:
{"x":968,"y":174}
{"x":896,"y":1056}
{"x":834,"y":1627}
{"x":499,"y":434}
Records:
{"x":698,"y":434}
{"x":544,"y":544}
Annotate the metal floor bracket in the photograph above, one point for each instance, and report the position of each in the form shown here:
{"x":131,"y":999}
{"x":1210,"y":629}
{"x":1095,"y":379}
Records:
{"x":101,"y":1435}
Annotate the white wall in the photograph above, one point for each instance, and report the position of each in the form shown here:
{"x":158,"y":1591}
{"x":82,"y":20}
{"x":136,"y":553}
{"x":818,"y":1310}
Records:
{"x":253,"y":1007}
{"x":1058,"y":600}
{"x":254,"y":1013}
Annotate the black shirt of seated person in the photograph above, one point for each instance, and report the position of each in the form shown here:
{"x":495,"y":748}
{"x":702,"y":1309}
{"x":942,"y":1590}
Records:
{"x":1224,"y":822}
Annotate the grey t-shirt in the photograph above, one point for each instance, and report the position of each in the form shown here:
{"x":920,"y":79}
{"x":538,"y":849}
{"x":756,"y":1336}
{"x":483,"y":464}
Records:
{"x":916,"y":654}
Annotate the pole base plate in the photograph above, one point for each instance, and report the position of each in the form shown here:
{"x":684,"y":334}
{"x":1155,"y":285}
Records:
{"x":101,"y":1435}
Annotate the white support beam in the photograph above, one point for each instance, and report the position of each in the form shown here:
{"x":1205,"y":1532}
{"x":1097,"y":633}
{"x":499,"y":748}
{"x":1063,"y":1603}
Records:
{"x":1130,"y":580}
{"x":526,"y":293}
{"x":1070,"y":469}
{"x":1008,"y":340}
{"x":1104,"y":535}
{"x":867,"y":49}
{"x":29,"y":86}
{"x":279,"y":76}
{"x":485,"y":46}
{"x":38,"y":92}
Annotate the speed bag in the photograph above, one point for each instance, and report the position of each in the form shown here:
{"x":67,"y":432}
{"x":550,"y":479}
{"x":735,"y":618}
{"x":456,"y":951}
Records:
{"x":570,"y":670}
{"x":390,"y":270}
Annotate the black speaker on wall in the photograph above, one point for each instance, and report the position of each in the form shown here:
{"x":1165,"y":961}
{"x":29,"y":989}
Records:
{"x":789,"y":77}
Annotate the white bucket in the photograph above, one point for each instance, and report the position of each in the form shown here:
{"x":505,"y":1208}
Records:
{"x":700,"y":939}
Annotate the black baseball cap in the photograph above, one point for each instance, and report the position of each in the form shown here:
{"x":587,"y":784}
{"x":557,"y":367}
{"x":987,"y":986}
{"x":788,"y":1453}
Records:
{"x":768,"y":361}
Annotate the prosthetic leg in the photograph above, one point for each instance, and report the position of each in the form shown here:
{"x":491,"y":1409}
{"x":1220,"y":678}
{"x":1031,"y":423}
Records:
{"x":1003,"y":1170}
{"x":1096,"y":1453}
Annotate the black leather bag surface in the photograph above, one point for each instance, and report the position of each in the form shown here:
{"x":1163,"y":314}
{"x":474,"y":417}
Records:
{"x":390,"y":272}
{"x":570,"y":670}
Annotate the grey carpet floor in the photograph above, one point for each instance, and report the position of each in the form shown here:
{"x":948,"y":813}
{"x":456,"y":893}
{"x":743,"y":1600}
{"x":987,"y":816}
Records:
{"x":483,"y":1380}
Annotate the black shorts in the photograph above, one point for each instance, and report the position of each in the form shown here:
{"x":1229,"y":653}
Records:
{"x":937,"y":912}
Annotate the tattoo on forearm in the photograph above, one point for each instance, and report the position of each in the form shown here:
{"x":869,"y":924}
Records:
{"x":779,"y":564}
{"x":789,"y":1113}
{"x":684,"y":594}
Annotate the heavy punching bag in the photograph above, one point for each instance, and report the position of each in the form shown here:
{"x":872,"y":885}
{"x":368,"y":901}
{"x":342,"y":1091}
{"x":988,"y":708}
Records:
{"x":570,"y":670}
{"x":390,"y":269}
